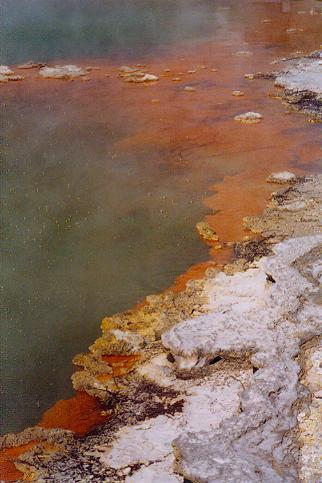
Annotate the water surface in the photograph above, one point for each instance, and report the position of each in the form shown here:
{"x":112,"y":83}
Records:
{"x":51,"y":29}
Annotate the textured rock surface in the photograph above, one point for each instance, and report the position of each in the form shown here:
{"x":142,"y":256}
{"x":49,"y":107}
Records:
{"x":148,"y":445}
{"x":143,"y":78}
{"x":282,"y":177}
{"x":238,"y":93}
{"x":305,"y":75}
{"x":206,"y":232}
{"x":31,"y":65}
{"x":148,"y":442}
{"x":249,"y":117}
{"x":267,"y":321}
{"x":310,"y":419}
{"x":301,"y":80}
{"x":7,"y":74}
{"x":136,"y":75}
{"x":62,"y":72}
{"x":5,"y":70}
{"x":279,"y":222}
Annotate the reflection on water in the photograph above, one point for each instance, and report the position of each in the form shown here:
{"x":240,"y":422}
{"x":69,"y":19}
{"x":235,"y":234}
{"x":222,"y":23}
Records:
{"x":100,"y":187}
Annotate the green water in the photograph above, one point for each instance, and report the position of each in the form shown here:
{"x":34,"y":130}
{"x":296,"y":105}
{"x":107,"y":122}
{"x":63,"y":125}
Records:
{"x":87,"y":232}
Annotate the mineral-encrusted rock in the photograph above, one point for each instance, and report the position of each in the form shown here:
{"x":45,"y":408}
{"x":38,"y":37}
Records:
{"x":31,"y":65}
{"x":62,"y":72}
{"x":140,"y":77}
{"x":136,"y":75}
{"x":238,"y":93}
{"x":304,"y":76}
{"x":7,"y":74}
{"x":282,"y":177}
{"x":310,"y":419}
{"x":265,"y":314}
{"x":128,"y":70}
{"x":240,"y":302}
{"x":301,"y":80}
{"x":92,"y":363}
{"x":144,"y":452}
{"x":5,"y":70}
{"x":280,"y":221}
{"x":206,"y":231}
{"x":249,"y":117}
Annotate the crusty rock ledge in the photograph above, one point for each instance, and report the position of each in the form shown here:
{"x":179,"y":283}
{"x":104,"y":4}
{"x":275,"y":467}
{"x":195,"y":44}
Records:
{"x":265,"y":314}
{"x":226,"y":387}
{"x":301,"y":79}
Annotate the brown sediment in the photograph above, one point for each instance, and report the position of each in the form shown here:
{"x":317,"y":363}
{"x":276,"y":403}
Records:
{"x":81,"y":414}
{"x":8,"y":470}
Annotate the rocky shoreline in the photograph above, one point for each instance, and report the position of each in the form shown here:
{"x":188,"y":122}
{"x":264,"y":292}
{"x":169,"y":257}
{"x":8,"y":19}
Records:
{"x":220,"y":382}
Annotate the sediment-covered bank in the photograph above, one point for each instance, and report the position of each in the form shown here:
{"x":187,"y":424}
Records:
{"x":220,"y":382}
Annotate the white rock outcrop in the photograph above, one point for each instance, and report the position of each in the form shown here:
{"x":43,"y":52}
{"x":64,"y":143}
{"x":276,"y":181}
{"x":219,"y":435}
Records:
{"x":265,"y":314}
{"x":282,"y":177}
{"x":235,"y":424}
{"x":249,"y":117}
{"x":305,"y":75}
{"x":62,"y":72}
{"x":7,"y":74}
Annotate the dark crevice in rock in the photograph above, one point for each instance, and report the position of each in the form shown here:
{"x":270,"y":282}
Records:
{"x":215,"y":360}
{"x":170,"y":358}
{"x":252,"y":250}
{"x":269,"y":278}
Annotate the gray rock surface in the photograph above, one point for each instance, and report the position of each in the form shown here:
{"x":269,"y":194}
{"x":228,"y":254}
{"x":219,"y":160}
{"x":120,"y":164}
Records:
{"x":305,"y":75}
{"x":267,"y":321}
{"x":301,"y":80}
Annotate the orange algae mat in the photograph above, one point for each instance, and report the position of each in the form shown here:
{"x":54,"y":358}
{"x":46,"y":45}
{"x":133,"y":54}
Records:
{"x":8,"y":471}
{"x":80,"y":414}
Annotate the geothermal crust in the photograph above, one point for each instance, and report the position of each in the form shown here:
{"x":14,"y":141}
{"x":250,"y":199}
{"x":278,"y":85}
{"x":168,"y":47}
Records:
{"x":301,"y":79}
{"x":224,"y":383}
